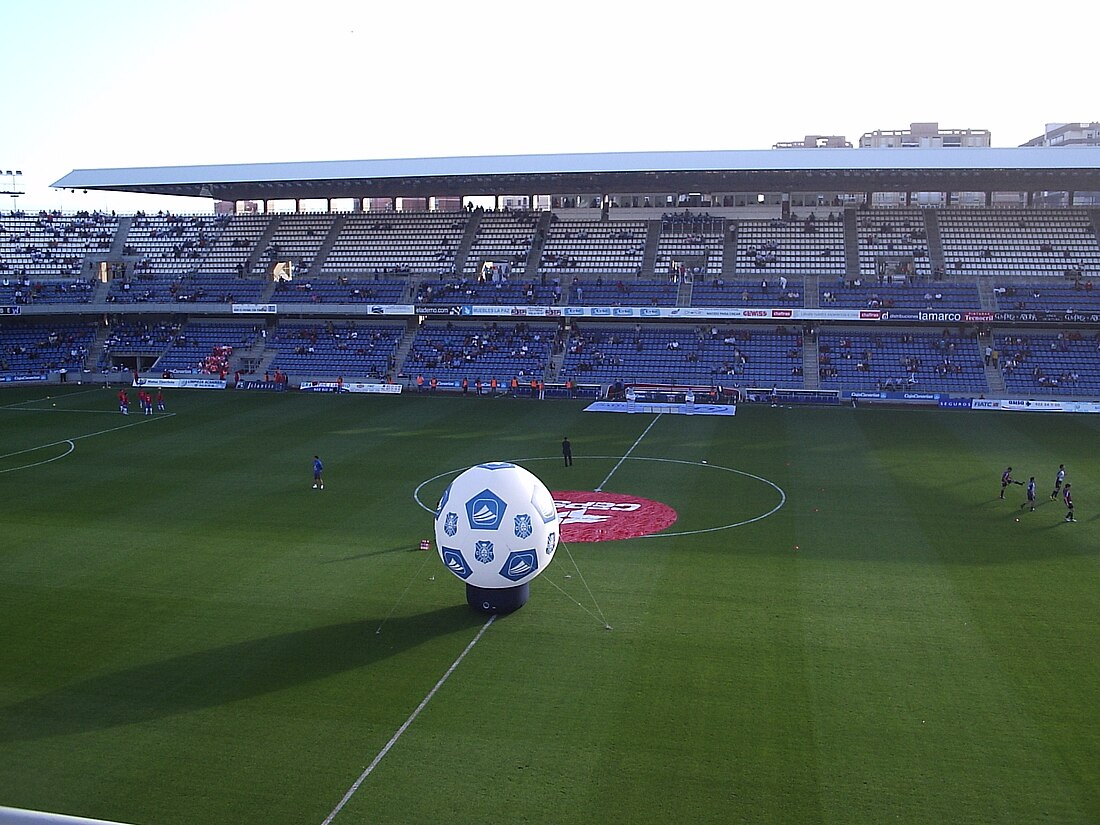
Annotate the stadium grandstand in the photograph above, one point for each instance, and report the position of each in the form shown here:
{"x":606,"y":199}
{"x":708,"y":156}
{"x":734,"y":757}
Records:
{"x":820,"y":272}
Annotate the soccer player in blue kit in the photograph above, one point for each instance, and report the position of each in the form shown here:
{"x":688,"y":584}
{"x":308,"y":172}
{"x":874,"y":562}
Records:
{"x":318,"y":479}
{"x":1058,"y":479}
{"x":1030,"y":495}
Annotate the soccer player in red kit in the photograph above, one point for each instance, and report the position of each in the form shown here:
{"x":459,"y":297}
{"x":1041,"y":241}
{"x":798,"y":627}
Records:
{"x":160,"y":401}
{"x":123,"y":403}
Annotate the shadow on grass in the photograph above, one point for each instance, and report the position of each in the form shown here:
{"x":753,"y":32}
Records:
{"x":369,"y":553}
{"x":221,"y":675}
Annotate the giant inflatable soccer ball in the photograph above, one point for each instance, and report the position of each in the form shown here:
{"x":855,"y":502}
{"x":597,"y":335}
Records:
{"x":496,"y":527}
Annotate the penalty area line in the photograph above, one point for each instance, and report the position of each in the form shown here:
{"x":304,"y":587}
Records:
{"x":412,"y":718}
{"x":145,"y":420}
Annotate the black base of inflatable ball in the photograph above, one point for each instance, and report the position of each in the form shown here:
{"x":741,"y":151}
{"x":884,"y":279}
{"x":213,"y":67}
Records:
{"x":497,"y":599}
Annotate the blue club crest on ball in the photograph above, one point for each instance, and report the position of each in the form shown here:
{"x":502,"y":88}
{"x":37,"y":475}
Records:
{"x":551,"y":543}
{"x":485,"y":511}
{"x":450,"y":524}
{"x":523,"y":526}
{"x":456,"y":563}
{"x":496,"y":465}
{"x":519,"y":564}
{"x":483,"y":551}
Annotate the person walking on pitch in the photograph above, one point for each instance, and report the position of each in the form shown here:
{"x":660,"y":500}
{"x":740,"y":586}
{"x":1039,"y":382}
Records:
{"x":1030,"y":495}
{"x":1058,"y":479}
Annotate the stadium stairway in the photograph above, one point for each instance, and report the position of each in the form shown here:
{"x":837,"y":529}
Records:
{"x":557,"y":358}
{"x":542,"y":229}
{"x":253,"y":359}
{"x":683,"y":294}
{"x":98,"y":347}
{"x":262,"y":243}
{"x":986,"y":299}
{"x":121,"y":234}
{"x":403,"y":347}
{"x":935,"y":239}
{"x":317,"y":265}
{"x":101,"y":290}
{"x":993,"y":376}
{"x":729,"y":249}
{"x":851,"y":247}
{"x":466,"y":243}
{"x":811,"y":298}
{"x":1094,"y":219}
{"x":810,"y":378}
{"x":649,"y":257}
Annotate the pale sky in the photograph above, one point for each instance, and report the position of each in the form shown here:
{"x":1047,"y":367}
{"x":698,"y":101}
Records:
{"x":127,"y":83}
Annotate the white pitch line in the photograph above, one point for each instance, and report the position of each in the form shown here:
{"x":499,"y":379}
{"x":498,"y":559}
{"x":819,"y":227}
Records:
{"x":49,"y":398}
{"x":72,"y":447}
{"x":628,"y":452}
{"x":412,"y":718}
{"x":56,"y":410}
{"x":89,"y":435}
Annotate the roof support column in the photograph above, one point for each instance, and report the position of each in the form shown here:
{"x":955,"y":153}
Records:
{"x":867,"y":198}
{"x":1072,"y":195}
{"x":297,"y":205}
{"x":1030,"y":198}
{"x":988,"y":199}
{"x":908,"y":198}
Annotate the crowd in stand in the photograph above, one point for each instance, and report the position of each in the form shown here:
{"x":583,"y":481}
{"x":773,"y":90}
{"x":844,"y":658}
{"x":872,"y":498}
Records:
{"x":142,"y":335}
{"x":22,"y":290}
{"x":524,"y":347}
{"x":57,"y":349}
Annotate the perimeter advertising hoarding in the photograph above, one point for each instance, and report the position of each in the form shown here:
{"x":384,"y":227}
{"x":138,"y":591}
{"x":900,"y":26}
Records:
{"x":350,"y":386}
{"x":670,"y":313}
{"x":717,"y":313}
{"x":1029,"y":405}
{"x":182,"y":383}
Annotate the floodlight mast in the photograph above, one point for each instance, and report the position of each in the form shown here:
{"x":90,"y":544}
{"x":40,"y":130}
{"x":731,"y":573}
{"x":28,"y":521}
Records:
{"x":12,"y":186}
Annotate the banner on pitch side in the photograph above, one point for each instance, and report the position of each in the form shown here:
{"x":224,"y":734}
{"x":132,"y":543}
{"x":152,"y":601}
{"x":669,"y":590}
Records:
{"x":181,"y":383}
{"x":1031,"y":405}
{"x":350,"y":386}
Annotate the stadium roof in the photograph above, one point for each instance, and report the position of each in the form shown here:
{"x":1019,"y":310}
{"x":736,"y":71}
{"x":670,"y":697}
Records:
{"x":775,"y":170}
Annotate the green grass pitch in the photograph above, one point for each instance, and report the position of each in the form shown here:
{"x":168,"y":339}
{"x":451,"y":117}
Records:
{"x":190,"y":634}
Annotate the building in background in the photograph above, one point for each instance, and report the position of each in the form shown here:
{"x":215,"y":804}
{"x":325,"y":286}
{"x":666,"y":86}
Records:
{"x":816,"y":142}
{"x":925,"y":136}
{"x":1068,"y":134}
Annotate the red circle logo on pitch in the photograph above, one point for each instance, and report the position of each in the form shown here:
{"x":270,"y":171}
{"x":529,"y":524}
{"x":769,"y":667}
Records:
{"x":588,"y":516}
